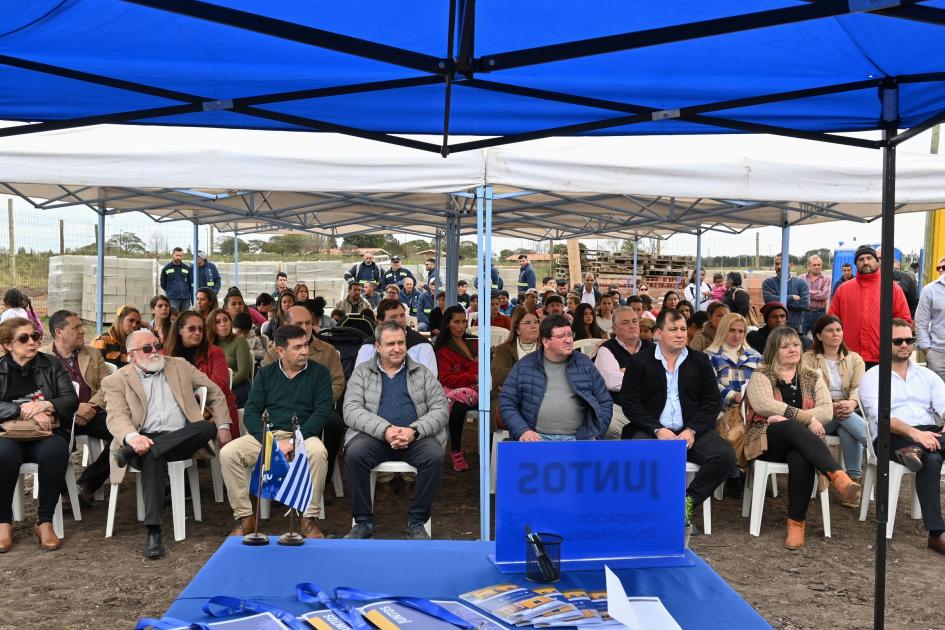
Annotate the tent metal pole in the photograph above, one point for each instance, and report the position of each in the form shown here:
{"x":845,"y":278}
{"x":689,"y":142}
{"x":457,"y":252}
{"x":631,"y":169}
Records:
{"x":890,"y":98}
{"x":785,"y":258}
{"x":438,"y":246}
{"x":697,"y":284}
{"x":636,"y":246}
{"x":193,"y":271}
{"x":452,"y":257}
{"x":100,"y":273}
{"x":484,"y":243}
{"x":236,"y":258}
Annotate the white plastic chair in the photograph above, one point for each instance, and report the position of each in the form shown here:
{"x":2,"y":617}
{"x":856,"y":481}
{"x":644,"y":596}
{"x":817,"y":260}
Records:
{"x":396,"y":467}
{"x":588,"y":346}
{"x":175,"y":473}
{"x":691,"y":470}
{"x":753,"y":499}
{"x":93,"y":447}
{"x":19,"y":490}
{"x":896,"y":472}
{"x":499,"y":435}
{"x":497,"y":334}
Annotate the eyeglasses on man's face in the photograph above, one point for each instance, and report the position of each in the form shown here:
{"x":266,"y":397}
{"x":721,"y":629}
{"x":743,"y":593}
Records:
{"x":899,"y":341}
{"x":567,"y":335}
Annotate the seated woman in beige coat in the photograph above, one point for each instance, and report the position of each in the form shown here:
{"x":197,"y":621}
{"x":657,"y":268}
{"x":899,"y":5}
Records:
{"x":522,"y":340}
{"x":787,"y":408}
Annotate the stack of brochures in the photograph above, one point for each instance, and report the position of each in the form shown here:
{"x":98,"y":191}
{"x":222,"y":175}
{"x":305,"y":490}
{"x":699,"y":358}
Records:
{"x":543,"y":607}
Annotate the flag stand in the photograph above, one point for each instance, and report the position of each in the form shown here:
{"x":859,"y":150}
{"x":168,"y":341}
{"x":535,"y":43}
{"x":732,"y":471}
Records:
{"x":256,"y":539}
{"x":292,"y":538}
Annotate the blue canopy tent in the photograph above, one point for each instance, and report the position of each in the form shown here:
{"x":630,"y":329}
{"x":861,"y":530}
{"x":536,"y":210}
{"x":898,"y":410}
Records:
{"x":504,"y":71}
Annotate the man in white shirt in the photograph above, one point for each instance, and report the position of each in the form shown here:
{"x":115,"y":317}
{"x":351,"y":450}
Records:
{"x":917,"y":405}
{"x":612,"y":359}
{"x":930,"y":322}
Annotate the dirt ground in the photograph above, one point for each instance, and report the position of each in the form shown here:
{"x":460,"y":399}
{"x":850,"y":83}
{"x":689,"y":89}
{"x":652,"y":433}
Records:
{"x":93,"y":582}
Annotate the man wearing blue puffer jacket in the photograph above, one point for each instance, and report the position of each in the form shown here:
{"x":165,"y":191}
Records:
{"x":555,"y":394}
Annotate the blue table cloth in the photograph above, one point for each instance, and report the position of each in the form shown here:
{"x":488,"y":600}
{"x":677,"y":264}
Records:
{"x":695,"y":595}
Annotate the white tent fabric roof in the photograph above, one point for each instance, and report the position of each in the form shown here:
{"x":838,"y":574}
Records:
{"x":325,"y":183}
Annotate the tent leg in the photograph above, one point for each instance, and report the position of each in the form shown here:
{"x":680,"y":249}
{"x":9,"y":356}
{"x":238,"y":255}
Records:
{"x":193,"y":271}
{"x":698,"y":277}
{"x":885,"y":373}
{"x":785,"y":258}
{"x":451,"y":277}
{"x":484,"y":242}
{"x":236,"y":258}
{"x":636,"y":246}
{"x":100,"y":273}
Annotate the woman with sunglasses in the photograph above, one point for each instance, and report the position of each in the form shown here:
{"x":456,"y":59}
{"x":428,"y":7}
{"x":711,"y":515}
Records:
{"x":239,"y":357}
{"x":458,"y":369}
{"x":522,"y":340}
{"x":842,"y":370}
{"x":161,"y":317}
{"x":33,"y":386}
{"x":188,"y":339}
{"x":112,"y":343}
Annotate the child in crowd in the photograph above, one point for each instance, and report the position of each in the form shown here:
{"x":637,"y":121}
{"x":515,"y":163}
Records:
{"x":338,"y":315}
{"x":243,"y":326}
{"x":718,"y":287}
{"x":646,"y":329}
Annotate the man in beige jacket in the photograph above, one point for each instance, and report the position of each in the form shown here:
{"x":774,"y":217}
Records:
{"x":155,"y":418}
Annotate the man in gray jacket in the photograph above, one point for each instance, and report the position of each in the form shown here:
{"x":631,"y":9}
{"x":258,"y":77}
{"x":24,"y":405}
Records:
{"x":395,"y":410}
{"x":930,"y":322}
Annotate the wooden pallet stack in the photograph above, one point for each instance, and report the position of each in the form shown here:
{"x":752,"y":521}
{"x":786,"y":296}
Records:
{"x":660,"y":272}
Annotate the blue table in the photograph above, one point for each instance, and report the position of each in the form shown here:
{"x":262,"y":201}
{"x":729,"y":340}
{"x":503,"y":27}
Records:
{"x":695,"y":595}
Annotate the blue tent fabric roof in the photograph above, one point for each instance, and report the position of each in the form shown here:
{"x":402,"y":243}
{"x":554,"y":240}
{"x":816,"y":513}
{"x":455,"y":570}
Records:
{"x":164,"y":65}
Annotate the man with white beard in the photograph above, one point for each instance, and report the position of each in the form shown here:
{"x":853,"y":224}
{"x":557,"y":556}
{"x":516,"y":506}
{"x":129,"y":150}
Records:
{"x":155,"y":418}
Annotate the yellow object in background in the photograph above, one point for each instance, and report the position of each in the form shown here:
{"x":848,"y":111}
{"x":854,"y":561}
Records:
{"x":934,"y":245}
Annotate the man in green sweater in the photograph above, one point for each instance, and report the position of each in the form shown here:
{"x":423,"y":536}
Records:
{"x":291,"y":386}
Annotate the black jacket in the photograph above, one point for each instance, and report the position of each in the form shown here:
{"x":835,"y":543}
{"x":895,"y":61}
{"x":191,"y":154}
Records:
{"x":643,"y":394}
{"x":52,"y":380}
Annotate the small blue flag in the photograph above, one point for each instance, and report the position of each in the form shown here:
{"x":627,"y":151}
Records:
{"x":274,"y":469}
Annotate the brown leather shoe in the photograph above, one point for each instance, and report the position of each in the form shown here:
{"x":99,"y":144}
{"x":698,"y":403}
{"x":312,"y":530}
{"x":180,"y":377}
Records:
{"x":384,"y":491}
{"x":795,"y":534}
{"x":848,"y":489}
{"x":245,"y":525}
{"x":937,"y":543}
{"x":48,"y":541}
{"x":6,"y":537}
{"x":853,"y":504}
{"x":310,"y":528}
{"x":910,"y":457}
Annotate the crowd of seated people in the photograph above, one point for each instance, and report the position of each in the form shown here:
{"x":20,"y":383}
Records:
{"x":666,"y":373}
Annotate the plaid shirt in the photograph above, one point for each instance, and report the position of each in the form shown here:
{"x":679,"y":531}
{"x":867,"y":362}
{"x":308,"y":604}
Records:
{"x":819,"y":291}
{"x":732,"y":376}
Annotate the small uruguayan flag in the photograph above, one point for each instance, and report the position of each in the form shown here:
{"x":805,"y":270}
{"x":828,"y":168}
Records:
{"x":296,"y":488}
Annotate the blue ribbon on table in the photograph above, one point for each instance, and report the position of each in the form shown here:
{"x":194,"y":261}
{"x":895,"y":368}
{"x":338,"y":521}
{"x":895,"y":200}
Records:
{"x":310,"y":593}
{"x":236,"y":606}
{"x":167,"y":623}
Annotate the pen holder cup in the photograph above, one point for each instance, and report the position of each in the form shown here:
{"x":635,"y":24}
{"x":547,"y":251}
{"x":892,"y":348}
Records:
{"x":543,"y":561}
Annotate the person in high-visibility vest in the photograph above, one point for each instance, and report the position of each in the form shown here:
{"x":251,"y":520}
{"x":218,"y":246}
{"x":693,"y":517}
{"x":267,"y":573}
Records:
{"x":526,"y":275}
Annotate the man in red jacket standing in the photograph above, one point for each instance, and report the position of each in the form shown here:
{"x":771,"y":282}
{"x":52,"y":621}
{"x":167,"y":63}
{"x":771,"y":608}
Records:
{"x":856,"y":303}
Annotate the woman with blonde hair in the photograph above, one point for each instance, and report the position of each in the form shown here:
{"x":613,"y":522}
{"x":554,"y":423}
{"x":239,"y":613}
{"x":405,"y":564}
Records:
{"x":788,"y":405}
{"x":112,"y":343}
{"x":301,"y":292}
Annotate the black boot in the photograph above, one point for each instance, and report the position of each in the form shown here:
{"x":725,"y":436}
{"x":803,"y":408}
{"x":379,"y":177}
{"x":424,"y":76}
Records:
{"x":153,"y":547}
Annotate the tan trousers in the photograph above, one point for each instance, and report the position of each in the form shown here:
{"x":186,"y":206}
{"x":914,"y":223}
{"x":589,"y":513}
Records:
{"x":238,"y":458}
{"x":617,"y":423}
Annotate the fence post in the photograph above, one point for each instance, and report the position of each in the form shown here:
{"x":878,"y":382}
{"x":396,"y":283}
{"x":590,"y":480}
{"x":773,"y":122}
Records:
{"x":13,"y":281}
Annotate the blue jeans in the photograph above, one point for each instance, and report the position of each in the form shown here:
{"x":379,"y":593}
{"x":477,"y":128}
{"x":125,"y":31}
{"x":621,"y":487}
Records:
{"x":810,"y":317}
{"x":180,"y":305}
{"x":549,"y":437}
{"x":852,"y":433}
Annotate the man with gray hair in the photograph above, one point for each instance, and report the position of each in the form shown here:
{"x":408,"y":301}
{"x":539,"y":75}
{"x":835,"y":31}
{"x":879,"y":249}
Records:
{"x":613,"y":357}
{"x":395,"y":409}
{"x":155,"y":418}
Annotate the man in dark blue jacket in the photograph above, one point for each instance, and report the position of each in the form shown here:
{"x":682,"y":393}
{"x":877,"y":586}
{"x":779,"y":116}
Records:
{"x":396,"y":274}
{"x":208,"y":276}
{"x":555,"y":394}
{"x":177,"y":281}
{"x":526,"y":276}
{"x":671,"y":393}
{"x":425,"y":305}
{"x":365,"y":271}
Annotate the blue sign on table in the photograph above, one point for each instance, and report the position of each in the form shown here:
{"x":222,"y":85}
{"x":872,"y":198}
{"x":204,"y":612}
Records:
{"x":620,"y":503}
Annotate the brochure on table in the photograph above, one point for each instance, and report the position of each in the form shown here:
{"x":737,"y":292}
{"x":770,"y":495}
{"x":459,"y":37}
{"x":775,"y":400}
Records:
{"x":619,"y":503}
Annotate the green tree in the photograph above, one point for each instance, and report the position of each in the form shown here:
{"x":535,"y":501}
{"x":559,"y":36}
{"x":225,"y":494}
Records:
{"x":126,"y":243}
{"x":468,"y":249}
{"x":364,"y":240}
{"x":225,"y":246}
{"x":256,"y":245}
